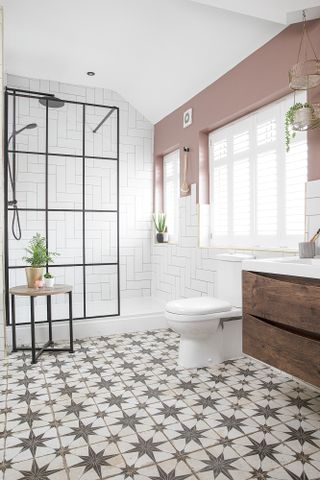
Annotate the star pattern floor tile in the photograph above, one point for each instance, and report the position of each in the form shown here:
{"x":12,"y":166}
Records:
{"x":120,"y":408}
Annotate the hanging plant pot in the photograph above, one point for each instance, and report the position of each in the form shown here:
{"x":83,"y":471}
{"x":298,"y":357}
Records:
{"x":303,"y":119}
{"x":305,"y":75}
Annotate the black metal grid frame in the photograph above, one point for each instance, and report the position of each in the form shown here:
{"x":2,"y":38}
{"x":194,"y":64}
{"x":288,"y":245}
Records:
{"x":15,"y":93}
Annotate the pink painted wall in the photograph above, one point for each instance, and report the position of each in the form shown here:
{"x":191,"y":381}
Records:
{"x":259,"y":79}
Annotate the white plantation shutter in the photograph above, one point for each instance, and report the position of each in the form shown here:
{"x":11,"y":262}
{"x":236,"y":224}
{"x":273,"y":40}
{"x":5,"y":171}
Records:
{"x":171,"y":194}
{"x":241,"y":197}
{"x":257,"y":189}
{"x":220,"y":198}
{"x":267,"y":193}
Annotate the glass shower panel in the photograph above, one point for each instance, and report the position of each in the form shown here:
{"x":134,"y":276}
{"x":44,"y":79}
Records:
{"x":101,"y":132}
{"x":31,"y":222}
{"x":65,"y":182}
{"x":101,"y":290}
{"x":101,"y":237}
{"x":66,"y":187}
{"x":65,"y":131}
{"x":29,"y":181}
{"x":101,"y":184}
{"x":65,"y":236}
{"x":29,"y":113}
{"x":60,"y":306}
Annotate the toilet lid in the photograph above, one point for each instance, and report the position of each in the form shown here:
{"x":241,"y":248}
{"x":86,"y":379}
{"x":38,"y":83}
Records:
{"x":198,"y":306}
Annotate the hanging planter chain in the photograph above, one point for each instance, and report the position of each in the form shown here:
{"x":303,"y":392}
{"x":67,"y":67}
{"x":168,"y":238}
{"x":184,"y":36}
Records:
{"x":305,"y":75}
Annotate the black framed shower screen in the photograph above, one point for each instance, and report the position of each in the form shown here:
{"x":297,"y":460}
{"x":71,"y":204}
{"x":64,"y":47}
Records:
{"x":11,"y":97}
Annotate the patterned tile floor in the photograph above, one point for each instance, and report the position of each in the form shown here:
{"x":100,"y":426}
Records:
{"x":120,"y":408}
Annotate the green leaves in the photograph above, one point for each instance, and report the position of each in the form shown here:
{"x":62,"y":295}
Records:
{"x":37,"y":253}
{"x":48,"y":275}
{"x":159,"y":220}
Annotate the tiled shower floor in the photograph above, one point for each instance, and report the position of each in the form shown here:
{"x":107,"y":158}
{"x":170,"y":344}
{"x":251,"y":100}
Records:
{"x":120,"y":408}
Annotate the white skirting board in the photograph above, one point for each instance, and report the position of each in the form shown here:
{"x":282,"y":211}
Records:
{"x":90,"y":328}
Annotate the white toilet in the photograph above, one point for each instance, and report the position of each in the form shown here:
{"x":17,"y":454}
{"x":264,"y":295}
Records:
{"x":205,"y":339}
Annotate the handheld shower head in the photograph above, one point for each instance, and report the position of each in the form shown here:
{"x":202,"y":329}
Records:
{"x":30,"y":126}
{"x":12,"y":171}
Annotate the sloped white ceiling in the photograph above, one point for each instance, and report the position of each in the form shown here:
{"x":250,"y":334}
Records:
{"x":273,"y":10}
{"x":155,"y":53}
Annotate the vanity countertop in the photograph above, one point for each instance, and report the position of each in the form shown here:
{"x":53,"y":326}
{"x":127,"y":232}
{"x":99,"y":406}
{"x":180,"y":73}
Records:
{"x":294,"y":266}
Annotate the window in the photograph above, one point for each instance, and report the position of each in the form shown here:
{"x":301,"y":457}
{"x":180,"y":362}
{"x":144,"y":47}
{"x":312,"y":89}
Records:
{"x":257,"y":189}
{"x":171,"y":193}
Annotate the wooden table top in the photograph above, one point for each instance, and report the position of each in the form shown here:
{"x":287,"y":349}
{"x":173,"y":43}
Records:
{"x":24,"y":290}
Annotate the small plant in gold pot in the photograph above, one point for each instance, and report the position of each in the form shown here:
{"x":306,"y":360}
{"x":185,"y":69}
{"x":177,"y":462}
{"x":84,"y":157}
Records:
{"x":37,"y":258}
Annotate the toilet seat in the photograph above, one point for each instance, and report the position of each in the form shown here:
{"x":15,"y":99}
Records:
{"x":197,"y":308}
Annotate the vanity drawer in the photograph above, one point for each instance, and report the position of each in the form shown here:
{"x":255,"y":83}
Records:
{"x":290,"y":352}
{"x":290,"y":301}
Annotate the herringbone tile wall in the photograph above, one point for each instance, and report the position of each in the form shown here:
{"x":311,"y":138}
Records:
{"x":65,"y":189}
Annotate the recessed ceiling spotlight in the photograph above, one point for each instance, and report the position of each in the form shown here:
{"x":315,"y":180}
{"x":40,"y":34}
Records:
{"x":90,"y":74}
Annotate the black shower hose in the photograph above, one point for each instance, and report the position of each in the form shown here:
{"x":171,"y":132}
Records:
{"x":15,"y":224}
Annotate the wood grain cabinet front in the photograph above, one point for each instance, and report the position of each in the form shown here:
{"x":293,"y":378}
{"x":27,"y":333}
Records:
{"x":281,"y":323}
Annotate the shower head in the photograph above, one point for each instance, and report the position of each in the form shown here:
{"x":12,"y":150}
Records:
{"x":53,"y":102}
{"x":30,"y":126}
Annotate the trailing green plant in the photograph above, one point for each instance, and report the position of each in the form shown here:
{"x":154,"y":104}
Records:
{"x":48,"y":275}
{"x":159,"y":220}
{"x":37,"y":252}
{"x":289,"y":132}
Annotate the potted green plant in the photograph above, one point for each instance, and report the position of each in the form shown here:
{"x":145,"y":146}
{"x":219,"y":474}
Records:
{"x":37,"y":257}
{"x":48,"y":280}
{"x":299,"y":117}
{"x":159,"y":220}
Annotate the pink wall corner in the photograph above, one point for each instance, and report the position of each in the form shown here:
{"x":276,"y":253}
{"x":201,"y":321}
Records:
{"x":258,"y":80}
{"x":314,"y":142}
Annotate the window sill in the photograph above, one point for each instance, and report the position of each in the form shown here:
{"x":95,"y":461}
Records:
{"x":156,"y":244}
{"x":251,"y":249}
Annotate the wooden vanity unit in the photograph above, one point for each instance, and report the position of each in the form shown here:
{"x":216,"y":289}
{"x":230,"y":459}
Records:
{"x":281,"y":322}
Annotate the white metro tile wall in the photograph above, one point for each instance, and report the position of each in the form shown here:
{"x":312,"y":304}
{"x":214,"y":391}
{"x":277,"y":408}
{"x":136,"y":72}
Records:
{"x":313,"y":210}
{"x":185,"y":269}
{"x":65,"y":182}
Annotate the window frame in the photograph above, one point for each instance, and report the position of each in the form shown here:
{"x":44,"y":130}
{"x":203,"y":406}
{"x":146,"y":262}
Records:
{"x":253,"y":241}
{"x":174,"y":158}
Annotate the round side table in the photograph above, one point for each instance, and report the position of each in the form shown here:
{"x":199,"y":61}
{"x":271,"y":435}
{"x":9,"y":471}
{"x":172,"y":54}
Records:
{"x":25,"y":291}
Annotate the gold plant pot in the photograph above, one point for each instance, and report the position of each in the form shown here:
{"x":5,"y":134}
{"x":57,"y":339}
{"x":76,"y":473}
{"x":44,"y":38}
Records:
{"x":33,"y":274}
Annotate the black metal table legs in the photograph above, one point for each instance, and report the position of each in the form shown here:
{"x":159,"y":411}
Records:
{"x":70,"y":323}
{"x":13,"y":315}
{"x":33,"y":331}
{"x":48,"y":346}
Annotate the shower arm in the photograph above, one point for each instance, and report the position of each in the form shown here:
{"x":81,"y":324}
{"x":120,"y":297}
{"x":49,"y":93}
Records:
{"x":104,"y":120}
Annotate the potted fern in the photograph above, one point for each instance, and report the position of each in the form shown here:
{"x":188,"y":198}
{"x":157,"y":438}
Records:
{"x":159,"y":221}
{"x":37,"y":258}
